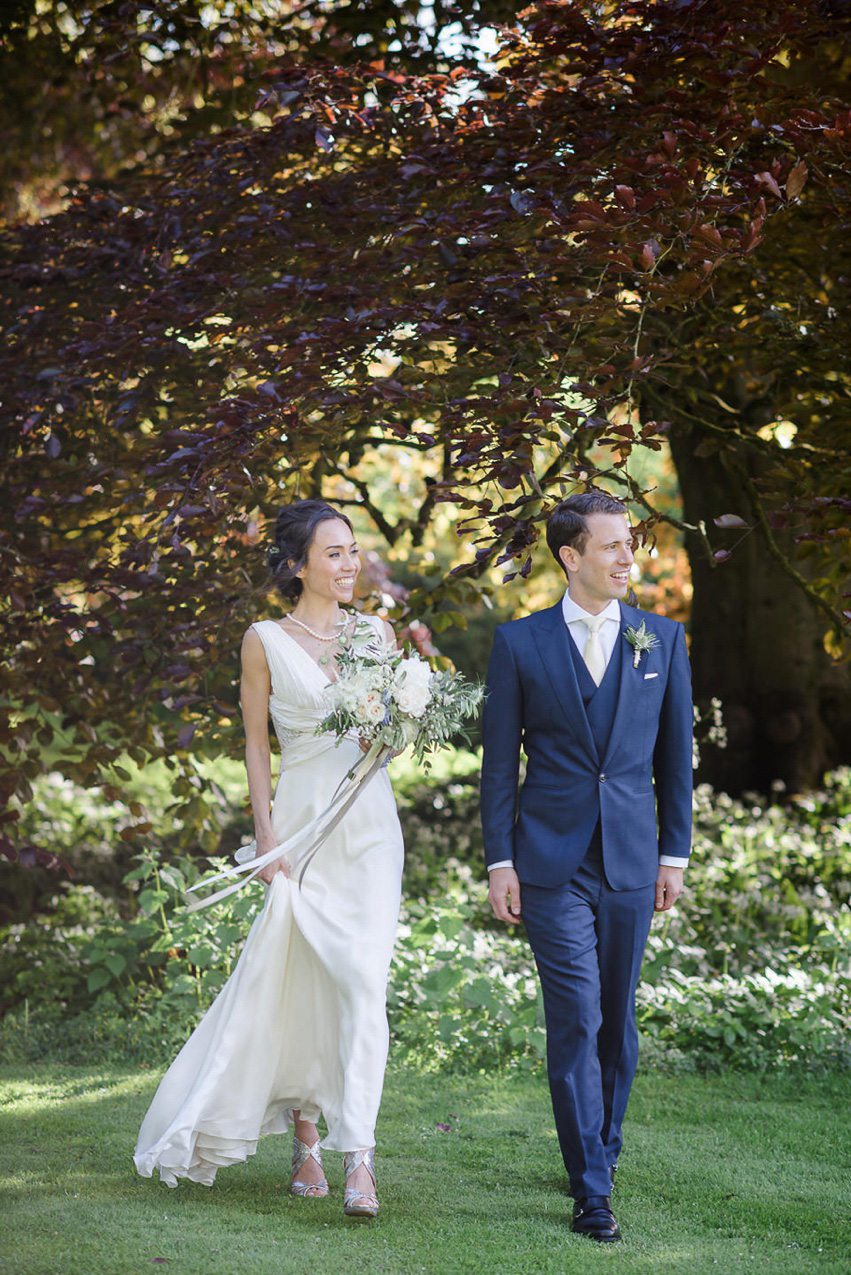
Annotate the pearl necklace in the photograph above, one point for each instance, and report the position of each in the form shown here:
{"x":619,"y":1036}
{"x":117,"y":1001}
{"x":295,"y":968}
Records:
{"x":313,"y":631}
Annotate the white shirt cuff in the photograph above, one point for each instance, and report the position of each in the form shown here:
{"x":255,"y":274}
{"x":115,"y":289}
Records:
{"x":665,"y":861}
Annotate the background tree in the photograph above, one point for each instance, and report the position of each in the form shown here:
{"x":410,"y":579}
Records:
{"x":90,"y":88}
{"x":522,"y":274}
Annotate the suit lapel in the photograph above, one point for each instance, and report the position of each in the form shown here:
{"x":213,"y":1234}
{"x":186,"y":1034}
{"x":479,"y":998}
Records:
{"x":552,"y":638}
{"x":629,"y":681}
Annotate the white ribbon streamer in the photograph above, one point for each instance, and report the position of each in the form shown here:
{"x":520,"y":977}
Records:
{"x":310,"y":838}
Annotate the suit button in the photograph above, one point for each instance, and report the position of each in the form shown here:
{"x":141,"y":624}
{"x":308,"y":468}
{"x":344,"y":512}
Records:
{"x":602,"y":779}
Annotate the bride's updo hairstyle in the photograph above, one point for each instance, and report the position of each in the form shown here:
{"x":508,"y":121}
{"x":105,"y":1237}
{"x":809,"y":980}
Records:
{"x":295,"y":528}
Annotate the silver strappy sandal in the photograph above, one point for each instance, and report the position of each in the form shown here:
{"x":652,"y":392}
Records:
{"x":301,"y":1153}
{"x":358,"y":1203}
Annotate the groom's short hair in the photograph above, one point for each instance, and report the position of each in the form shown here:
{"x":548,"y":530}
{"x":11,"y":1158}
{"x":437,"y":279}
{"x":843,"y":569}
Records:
{"x":566,"y":525}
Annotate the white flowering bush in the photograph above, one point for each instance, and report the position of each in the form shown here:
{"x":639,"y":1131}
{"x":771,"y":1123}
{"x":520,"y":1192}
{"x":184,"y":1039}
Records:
{"x":751,"y":1021}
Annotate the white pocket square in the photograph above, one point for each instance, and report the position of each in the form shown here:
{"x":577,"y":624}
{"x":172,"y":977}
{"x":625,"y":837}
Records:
{"x":649,"y":675}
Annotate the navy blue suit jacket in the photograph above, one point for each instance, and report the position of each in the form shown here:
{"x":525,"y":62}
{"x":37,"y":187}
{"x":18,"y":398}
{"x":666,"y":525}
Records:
{"x":640,"y":790}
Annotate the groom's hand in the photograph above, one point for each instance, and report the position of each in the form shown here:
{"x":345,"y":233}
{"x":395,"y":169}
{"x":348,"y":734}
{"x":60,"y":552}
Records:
{"x":504,"y":895}
{"x":669,"y":887}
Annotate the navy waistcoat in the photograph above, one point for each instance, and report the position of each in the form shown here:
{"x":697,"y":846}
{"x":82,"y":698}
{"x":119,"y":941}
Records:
{"x":600,"y":701}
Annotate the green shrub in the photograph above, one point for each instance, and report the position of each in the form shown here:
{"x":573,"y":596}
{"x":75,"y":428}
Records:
{"x":159,"y":969}
{"x":99,"y":830}
{"x":440,"y":824}
{"x":751,"y":970}
{"x":462,"y":997}
{"x":753,"y":1022}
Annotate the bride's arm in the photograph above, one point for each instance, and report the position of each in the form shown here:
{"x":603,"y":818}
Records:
{"x":254,"y":700}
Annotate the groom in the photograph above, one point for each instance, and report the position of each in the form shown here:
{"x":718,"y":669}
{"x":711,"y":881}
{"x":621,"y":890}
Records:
{"x":602,"y":830}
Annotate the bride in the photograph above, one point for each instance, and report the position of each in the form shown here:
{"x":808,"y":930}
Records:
{"x":299,"y":1030}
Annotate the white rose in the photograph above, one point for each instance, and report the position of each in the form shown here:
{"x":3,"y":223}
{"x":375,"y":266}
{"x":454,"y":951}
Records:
{"x":413,"y":700}
{"x":413,"y":671}
{"x":411,"y":691}
{"x":350,"y":692}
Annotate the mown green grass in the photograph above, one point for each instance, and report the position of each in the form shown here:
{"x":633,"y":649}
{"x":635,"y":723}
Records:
{"x":721,"y":1174}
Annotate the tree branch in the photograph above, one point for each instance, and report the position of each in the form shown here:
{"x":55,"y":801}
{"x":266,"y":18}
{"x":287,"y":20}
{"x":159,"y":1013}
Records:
{"x":390,"y":532}
{"x":670,"y":519}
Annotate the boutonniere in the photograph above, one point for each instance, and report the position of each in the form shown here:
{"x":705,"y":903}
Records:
{"x":640,"y":640}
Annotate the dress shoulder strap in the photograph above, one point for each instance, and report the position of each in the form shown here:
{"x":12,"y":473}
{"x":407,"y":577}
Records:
{"x":274,"y":647}
{"x":376,"y":622}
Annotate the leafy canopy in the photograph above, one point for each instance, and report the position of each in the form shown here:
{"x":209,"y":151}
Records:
{"x":522,"y":272}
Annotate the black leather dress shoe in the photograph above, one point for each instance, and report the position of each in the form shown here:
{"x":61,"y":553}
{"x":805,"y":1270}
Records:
{"x":593,"y":1216}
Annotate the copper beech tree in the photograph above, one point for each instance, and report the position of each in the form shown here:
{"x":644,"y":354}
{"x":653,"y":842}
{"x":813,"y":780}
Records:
{"x":628,"y":228}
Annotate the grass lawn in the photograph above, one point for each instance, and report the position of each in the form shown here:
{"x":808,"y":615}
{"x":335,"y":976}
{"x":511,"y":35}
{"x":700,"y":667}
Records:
{"x":722,"y":1174}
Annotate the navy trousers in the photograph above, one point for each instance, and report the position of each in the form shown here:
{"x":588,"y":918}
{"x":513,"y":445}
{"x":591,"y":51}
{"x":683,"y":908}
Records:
{"x":588,"y":941}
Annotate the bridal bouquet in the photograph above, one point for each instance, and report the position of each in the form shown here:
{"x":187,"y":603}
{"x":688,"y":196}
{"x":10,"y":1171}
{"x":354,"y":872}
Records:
{"x":393,"y":700}
{"x":390,"y":699}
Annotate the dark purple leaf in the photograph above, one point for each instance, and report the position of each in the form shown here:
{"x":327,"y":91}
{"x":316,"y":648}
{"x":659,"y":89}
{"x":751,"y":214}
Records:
{"x":186,"y":734}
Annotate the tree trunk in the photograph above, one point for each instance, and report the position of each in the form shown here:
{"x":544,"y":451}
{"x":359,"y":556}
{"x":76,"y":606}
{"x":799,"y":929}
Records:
{"x":757,"y":644}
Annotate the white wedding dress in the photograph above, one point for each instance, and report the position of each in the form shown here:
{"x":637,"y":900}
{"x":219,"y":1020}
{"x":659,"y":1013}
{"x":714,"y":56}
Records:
{"x":301,"y":1023}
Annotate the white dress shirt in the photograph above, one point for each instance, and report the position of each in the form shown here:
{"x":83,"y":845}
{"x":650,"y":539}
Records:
{"x":574,"y":618}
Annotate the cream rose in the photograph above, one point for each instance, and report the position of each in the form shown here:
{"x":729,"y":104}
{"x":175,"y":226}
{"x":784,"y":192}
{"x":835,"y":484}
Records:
{"x":371,"y":709}
{"x":411,"y":689}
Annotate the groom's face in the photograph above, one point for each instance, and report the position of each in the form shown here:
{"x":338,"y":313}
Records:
{"x":601,"y":571}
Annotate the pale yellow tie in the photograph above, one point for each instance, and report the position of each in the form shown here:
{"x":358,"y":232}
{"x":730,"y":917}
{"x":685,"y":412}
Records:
{"x":593,"y":656}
